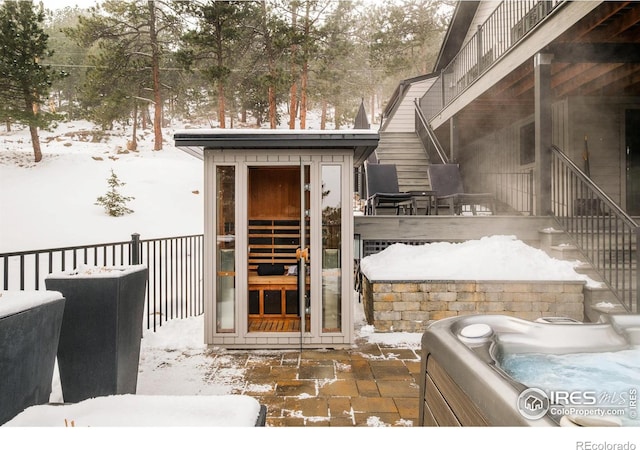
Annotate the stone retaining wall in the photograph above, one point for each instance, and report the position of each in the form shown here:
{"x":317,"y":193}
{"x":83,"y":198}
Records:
{"x":411,"y":305}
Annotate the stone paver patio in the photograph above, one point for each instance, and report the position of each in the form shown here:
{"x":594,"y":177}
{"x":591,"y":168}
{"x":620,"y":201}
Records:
{"x":366,"y":385}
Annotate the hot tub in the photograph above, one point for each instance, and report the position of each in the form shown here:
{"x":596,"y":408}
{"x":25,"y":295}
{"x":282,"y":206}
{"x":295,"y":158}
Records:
{"x":477,"y":371}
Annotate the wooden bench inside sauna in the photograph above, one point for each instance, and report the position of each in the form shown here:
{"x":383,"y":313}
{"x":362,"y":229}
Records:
{"x":274,"y":240}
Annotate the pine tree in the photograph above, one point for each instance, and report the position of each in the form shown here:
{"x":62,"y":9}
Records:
{"x":24,"y":81}
{"x":114,"y":203}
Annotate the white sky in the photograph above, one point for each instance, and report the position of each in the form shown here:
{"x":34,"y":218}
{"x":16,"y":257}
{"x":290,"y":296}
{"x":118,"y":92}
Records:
{"x":60,"y":4}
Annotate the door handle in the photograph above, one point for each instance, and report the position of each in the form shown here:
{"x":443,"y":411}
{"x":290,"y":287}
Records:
{"x":302,"y":253}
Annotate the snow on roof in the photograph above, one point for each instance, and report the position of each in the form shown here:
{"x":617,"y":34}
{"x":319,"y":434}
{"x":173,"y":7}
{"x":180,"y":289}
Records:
{"x":362,"y":141}
{"x":276,"y":131}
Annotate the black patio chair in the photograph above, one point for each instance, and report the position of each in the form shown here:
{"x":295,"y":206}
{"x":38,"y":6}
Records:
{"x":447,"y":182}
{"x":383,"y":191}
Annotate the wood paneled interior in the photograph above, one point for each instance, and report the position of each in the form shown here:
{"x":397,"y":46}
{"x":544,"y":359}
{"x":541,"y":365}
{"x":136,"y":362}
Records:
{"x":273,"y":237}
{"x":273,"y":241}
{"x":448,"y":403}
{"x":274,"y":192}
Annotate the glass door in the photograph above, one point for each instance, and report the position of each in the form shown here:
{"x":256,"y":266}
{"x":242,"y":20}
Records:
{"x":277,"y":251}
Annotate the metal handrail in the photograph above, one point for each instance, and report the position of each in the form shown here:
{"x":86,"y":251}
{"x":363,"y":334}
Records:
{"x":428,"y":137}
{"x":606,"y":235}
{"x":175,"y":271}
{"x":507,"y":25}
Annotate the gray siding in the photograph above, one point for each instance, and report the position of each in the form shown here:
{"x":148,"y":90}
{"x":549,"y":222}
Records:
{"x":403,"y":120}
{"x":600,"y":119}
{"x":485,"y":8}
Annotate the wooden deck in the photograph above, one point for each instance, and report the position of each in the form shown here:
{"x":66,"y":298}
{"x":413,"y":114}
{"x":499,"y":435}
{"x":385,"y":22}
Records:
{"x":448,"y":228}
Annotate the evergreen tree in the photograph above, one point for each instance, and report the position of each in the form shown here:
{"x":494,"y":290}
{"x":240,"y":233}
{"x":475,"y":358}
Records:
{"x":70,"y":57}
{"x":272,"y":47}
{"x":306,"y":15}
{"x":405,"y":37}
{"x":129,"y":38}
{"x":338,"y":70}
{"x":114,"y":203}
{"x":24,"y":81}
{"x":221,"y":37}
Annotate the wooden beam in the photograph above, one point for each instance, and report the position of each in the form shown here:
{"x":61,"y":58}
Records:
{"x":591,"y":52}
{"x":604,"y":12}
{"x":580,"y":75}
{"x":618,"y":79}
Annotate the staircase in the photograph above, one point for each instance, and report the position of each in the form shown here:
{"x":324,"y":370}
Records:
{"x":597,"y":300}
{"x":405,"y":150}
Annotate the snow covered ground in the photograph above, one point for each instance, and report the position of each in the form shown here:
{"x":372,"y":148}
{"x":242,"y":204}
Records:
{"x":53,"y":201}
{"x":52,"y":204}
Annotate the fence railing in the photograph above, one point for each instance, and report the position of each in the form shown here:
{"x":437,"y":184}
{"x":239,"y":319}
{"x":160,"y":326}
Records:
{"x":512,"y":189}
{"x":507,"y":25}
{"x":175,"y":268}
{"x":606,"y":235}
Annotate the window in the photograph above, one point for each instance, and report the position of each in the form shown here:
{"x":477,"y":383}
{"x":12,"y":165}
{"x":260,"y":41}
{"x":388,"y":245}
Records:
{"x":225,"y":249}
{"x":331,"y":246}
{"x":528,"y":144}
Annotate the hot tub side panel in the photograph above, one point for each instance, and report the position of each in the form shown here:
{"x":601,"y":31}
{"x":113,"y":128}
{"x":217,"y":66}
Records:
{"x":458,"y":388}
{"x":443,"y":402}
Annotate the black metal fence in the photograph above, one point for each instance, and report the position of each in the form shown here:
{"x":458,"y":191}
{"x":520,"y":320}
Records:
{"x":174,"y":287}
{"x":606,"y":235}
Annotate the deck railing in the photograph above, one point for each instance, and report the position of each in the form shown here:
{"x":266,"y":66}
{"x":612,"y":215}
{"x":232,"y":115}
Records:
{"x":174,"y":287}
{"x":606,"y":235}
{"x":505,"y":27}
{"x":429,"y":140}
{"x":514,"y":189}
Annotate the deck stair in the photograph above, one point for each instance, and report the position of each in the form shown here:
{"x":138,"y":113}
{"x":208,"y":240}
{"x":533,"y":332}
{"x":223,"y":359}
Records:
{"x":597,"y":299}
{"x":405,"y":150}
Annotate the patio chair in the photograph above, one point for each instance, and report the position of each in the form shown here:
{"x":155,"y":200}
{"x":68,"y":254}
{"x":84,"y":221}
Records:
{"x":446,"y":181}
{"x":383,"y":191}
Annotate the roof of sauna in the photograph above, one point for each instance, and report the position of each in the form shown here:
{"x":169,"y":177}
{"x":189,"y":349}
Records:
{"x":195,"y":142}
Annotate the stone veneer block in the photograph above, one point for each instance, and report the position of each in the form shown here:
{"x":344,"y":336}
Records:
{"x":411,"y":305}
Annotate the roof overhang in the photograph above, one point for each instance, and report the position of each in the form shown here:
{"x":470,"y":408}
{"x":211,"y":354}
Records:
{"x":361,"y":141}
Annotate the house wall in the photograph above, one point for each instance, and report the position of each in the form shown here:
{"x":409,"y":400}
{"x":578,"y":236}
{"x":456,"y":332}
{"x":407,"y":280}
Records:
{"x":404,"y":118}
{"x":600,"y":119}
{"x":496,"y":153}
{"x":485,"y":8}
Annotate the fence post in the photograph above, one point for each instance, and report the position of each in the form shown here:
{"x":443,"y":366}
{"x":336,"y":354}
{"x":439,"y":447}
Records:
{"x":135,"y":249}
